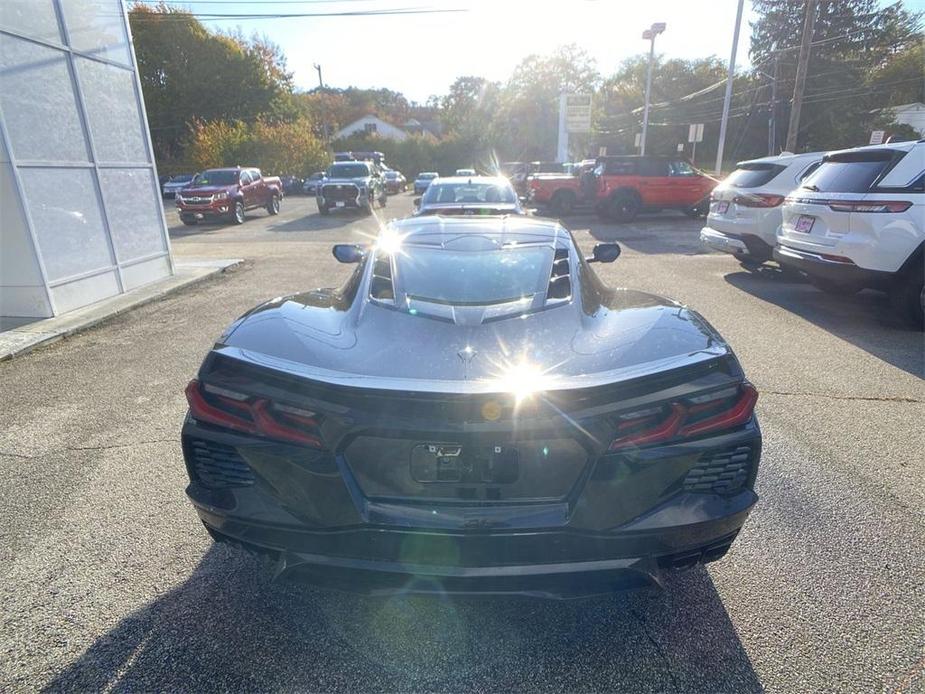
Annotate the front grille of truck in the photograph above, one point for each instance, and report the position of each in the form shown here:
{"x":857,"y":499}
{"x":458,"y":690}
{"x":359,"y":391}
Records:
{"x":198,"y":200}
{"x":217,"y":465}
{"x":722,"y":472}
{"x":337,"y":192}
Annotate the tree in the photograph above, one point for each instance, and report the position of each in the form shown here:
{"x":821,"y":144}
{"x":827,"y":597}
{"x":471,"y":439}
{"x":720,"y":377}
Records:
{"x":276,"y":147}
{"x":526,"y":121}
{"x":854,"y":41}
{"x":188,"y":72}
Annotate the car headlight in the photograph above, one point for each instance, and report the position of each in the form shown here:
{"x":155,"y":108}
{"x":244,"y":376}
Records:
{"x":221,"y":196}
{"x":178,"y":197}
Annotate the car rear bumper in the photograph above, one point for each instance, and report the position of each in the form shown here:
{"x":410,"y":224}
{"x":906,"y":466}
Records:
{"x":737,"y":244}
{"x":833,"y":270}
{"x":548,"y":563}
{"x":628,"y":517}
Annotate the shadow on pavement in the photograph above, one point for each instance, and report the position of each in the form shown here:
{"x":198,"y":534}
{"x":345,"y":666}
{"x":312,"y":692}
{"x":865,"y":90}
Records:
{"x":316,"y":222}
{"x":864,"y":320}
{"x":229,"y":627}
{"x":667,"y":232}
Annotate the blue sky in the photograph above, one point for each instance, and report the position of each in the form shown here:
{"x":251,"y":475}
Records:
{"x":421,"y":55}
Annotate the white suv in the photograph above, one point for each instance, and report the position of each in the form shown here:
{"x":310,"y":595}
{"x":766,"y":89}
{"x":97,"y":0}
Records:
{"x":859,"y":221}
{"x":745,"y":207}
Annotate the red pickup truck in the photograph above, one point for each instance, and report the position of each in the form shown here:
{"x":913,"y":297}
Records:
{"x":621,"y":187}
{"x":226,"y":194}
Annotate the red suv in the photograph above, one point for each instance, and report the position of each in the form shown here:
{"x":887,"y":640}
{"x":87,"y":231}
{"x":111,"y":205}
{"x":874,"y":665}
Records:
{"x":621,"y":187}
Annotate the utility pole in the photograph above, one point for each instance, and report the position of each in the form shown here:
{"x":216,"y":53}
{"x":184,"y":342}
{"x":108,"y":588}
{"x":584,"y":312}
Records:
{"x":800,"y":81}
{"x":650,"y":34}
{"x":728,"y":100}
{"x":320,"y":81}
{"x":772,"y":107}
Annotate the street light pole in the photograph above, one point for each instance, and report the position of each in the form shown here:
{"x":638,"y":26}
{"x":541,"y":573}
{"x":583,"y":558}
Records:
{"x":729,"y":74}
{"x":650,"y":34}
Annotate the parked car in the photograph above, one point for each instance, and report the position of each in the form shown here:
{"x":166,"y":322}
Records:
{"x":310,"y":184}
{"x":465,"y":172}
{"x":745,"y":208}
{"x":859,"y":221}
{"x":291,"y":184}
{"x":395,"y":182}
{"x":219,"y":194}
{"x":497,"y":459}
{"x":470,"y":195}
{"x":351,"y":184}
{"x":175,"y":183}
{"x":423,"y":180}
{"x":621,"y":187}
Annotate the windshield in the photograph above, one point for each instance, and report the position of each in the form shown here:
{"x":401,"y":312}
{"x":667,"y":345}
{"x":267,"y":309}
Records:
{"x":753,"y":175}
{"x":475,"y":193}
{"x":184,"y":178}
{"x":477,"y":278}
{"x":348,"y":171}
{"x":427,"y":176}
{"x":217,"y":177}
{"x":391,"y":174}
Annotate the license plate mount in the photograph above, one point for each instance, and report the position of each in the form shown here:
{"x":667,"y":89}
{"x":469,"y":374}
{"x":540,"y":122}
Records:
{"x":804,"y":224}
{"x":722,"y":206}
{"x":339,"y":203}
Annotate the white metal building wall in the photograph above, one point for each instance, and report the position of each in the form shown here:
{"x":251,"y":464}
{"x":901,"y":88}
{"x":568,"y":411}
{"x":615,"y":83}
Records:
{"x":81,"y":217}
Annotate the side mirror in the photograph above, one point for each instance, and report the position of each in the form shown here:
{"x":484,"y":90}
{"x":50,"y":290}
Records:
{"x":349,"y":252}
{"x":605,"y":253}
{"x":417,"y":203}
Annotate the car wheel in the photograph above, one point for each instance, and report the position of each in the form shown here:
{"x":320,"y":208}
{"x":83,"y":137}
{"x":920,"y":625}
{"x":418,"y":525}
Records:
{"x":749,"y":264}
{"x":830,"y":287}
{"x":273,"y":205}
{"x":237,"y":215}
{"x":907,"y":296}
{"x":562,"y":203}
{"x":623,"y":207}
{"x":189,"y":221}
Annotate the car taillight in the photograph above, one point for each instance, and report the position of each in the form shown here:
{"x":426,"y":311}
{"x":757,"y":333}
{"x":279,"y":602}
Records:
{"x":694,"y":416}
{"x":252,"y":415}
{"x":869,"y":205}
{"x":758,"y":200}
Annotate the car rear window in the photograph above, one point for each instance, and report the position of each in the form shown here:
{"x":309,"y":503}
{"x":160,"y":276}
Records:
{"x":473,"y":278}
{"x":468,"y":193}
{"x":753,"y":175}
{"x":849,"y":173}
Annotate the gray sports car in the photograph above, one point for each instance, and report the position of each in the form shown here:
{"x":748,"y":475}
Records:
{"x":473,"y":411}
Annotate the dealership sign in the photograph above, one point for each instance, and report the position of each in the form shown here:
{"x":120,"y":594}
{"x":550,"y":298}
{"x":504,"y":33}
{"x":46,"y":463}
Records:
{"x":577,"y":112}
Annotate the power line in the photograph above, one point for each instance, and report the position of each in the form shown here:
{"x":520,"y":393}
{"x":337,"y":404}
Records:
{"x":208,"y":16}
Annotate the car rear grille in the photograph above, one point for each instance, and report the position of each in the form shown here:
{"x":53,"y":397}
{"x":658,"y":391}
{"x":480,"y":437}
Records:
{"x":340,"y":192}
{"x":217,"y":465}
{"x":723,"y":472}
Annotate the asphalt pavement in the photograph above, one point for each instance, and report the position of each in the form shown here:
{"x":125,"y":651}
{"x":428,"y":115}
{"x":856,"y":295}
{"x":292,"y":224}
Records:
{"x":110,"y":582}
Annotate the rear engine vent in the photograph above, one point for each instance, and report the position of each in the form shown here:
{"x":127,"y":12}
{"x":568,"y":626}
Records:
{"x":218,"y":466}
{"x":381,"y":287}
{"x":560,"y":285}
{"x":723,"y":472}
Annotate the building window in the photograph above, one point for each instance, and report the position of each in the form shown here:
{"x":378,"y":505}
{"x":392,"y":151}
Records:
{"x":370,"y":128}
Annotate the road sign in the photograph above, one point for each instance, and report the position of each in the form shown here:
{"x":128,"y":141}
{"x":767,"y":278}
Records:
{"x":876,"y":137}
{"x":638,"y":140}
{"x":577,"y":112}
{"x":695,"y":132}
{"x":680,"y":146}
{"x":602,"y":151}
